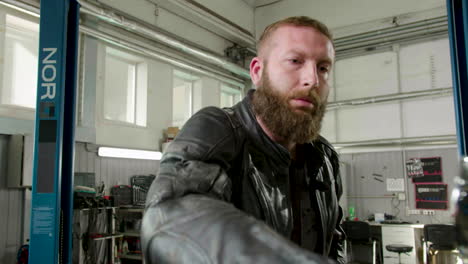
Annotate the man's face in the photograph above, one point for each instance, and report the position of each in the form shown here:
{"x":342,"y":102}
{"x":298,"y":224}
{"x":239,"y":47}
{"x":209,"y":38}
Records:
{"x":292,"y":80}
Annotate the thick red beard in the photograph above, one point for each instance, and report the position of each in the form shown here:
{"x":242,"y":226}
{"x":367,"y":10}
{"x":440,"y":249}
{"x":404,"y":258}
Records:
{"x":278,"y":116}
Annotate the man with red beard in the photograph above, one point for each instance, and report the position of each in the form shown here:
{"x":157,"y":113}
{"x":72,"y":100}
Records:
{"x":255,"y":183}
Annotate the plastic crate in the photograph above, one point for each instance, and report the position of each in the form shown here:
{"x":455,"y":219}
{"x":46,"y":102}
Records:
{"x":122,"y":195}
{"x":87,"y":179}
{"x":142,"y":180}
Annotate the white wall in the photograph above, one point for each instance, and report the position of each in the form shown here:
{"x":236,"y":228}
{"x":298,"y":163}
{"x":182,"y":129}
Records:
{"x":160,"y":74}
{"x":159,"y":103}
{"x":339,"y":13}
{"x":364,"y":76}
{"x":159,"y":115}
{"x":413,"y":67}
{"x":236,"y":10}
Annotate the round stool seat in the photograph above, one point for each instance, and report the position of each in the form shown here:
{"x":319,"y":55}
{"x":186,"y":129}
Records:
{"x":399,"y":248}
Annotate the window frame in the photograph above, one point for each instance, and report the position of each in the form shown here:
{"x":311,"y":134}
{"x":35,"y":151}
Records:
{"x":14,"y":110}
{"x":230,"y":90}
{"x":141,"y":64}
{"x":186,"y":77}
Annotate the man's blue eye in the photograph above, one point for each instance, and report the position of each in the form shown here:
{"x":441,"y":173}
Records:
{"x":324,"y":69}
{"x":295,"y":61}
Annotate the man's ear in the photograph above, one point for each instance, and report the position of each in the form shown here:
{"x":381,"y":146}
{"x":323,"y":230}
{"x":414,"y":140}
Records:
{"x":256,"y":70}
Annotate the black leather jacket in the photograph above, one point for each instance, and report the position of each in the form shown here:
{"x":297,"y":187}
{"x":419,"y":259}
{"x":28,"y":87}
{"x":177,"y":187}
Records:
{"x":223,"y":189}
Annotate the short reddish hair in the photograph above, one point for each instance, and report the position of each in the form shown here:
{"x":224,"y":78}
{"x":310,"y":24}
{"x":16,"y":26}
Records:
{"x":299,"y":21}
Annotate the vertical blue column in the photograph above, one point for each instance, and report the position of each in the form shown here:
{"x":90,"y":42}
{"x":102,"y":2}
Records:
{"x":52,"y":197}
{"x":458,"y":33}
{"x":457,"y":12}
{"x":68,"y":149}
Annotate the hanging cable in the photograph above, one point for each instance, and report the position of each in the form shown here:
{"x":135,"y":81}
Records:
{"x":395,"y":206}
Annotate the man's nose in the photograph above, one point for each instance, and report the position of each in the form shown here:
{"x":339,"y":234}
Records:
{"x":310,"y":76}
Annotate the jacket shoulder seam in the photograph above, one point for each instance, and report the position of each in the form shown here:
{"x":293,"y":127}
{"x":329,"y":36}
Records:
{"x":223,"y":139}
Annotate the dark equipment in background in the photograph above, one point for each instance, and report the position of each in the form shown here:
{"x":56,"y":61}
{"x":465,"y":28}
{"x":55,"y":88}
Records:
{"x":358,"y":232}
{"x":85,"y":192}
{"x":140,"y":186}
{"x":439,"y":237}
{"x":22,"y":257}
{"x":460,"y":200}
{"x":133,"y":194}
{"x":122,"y":195}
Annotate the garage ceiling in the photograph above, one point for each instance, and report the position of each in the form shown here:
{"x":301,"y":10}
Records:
{"x":257,"y":3}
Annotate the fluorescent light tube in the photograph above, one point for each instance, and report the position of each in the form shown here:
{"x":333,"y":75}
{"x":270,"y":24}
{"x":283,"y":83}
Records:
{"x":129,"y":153}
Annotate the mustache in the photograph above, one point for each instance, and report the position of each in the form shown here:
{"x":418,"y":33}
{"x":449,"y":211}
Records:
{"x":312,"y":97}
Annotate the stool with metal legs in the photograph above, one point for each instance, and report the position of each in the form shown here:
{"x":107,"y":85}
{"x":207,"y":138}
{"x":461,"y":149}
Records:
{"x":399,"y":248}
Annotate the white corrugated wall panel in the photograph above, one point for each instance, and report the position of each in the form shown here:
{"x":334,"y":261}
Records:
{"x":329,"y":126}
{"x":425,"y":66}
{"x":369,"y":122}
{"x":430,"y":117}
{"x":366,"y":76}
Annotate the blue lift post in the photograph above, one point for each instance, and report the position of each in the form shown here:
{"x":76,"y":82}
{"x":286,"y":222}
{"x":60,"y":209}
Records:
{"x":52,"y":192}
{"x":457,"y":13}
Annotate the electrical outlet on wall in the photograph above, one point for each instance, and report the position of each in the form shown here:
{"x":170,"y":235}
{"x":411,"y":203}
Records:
{"x":401,"y":196}
{"x":414,"y":212}
{"x":428,"y":212}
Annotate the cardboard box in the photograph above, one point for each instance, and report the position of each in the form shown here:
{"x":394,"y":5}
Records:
{"x":171,"y":132}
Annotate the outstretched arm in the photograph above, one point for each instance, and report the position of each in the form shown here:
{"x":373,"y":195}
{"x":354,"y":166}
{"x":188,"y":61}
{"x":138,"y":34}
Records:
{"x":200,"y":229}
{"x":188,"y":216}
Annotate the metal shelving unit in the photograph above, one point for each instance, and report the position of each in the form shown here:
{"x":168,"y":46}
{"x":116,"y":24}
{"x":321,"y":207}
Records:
{"x":125,"y":214}
{"x":106,"y":232}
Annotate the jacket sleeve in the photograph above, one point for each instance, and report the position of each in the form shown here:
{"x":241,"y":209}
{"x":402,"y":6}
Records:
{"x":337,"y":246}
{"x":188,"y":217}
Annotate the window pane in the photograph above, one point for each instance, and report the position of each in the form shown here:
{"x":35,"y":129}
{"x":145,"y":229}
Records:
{"x":229,"y":96}
{"x":182,"y":101}
{"x":226,"y":100}
{"x":20,"y":76}
{"x":237,"y":98}
{"x":197,"y":101}
{"x":187,"y":90}
{"x":119,"y":89}
{"x":141,"y":94}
